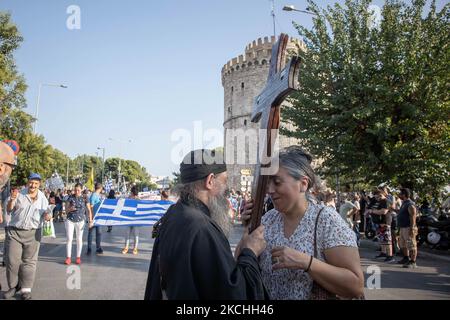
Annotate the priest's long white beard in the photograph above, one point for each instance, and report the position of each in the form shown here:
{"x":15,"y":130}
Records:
{"x":218,"y":207}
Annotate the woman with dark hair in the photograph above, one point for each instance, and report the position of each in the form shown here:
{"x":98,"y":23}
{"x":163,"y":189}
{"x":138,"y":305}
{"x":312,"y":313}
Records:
{"x":59,"y":206}
{"x":132,"y":230}
{"x":164,"y":195}
{"x":76,"y":217}
{"x":111,"y":194}
{"x":307,"y":243}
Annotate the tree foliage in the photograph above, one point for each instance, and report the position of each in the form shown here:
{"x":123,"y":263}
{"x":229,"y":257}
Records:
{"x":131,"y":170}
{"x":36,"y":155}
{"x":374,"y":97}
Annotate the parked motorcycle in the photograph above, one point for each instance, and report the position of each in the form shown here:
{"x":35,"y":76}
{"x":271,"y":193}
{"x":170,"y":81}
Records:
{"x":434,"y":231}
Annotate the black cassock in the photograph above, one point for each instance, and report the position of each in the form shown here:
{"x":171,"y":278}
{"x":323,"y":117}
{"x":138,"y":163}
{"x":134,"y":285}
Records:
{"x":192,"y":259}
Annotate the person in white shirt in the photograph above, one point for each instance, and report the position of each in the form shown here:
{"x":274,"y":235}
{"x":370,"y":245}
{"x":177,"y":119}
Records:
{"x":347,"y":210}
{"x":28,"y":210}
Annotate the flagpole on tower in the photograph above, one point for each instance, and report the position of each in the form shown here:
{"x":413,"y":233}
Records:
{"x":273,"y":17}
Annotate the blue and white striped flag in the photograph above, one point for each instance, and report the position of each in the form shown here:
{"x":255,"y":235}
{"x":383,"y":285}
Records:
{"x":108,"y":185}
{"x":130,"y":212}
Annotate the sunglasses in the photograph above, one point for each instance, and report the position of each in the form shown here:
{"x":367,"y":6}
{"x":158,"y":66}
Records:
{"x":10,"y":164}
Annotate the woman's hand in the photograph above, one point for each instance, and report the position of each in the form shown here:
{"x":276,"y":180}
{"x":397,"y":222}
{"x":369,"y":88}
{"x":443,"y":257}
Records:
{"x":71,"y":207}
{"x":247,"y":213}
{"x":288,"y":258}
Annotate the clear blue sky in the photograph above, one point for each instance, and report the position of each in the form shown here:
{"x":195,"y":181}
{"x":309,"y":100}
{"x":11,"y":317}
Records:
{"x":136,"y":69}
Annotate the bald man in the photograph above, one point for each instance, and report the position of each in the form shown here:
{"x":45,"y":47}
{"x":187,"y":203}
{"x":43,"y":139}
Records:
{"x":6,"y":166}
{"x":6,"y":163}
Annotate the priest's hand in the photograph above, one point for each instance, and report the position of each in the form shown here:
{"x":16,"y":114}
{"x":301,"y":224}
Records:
{"x":247,"y":213}
{"x":254,"y":241}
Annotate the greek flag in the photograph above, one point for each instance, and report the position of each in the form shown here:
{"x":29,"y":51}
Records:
{"x":130,"y":212}
{"x":108,"y":185}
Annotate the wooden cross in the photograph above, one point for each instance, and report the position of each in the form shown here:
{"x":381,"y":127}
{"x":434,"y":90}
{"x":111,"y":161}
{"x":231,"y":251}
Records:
{"x":282,"y":80}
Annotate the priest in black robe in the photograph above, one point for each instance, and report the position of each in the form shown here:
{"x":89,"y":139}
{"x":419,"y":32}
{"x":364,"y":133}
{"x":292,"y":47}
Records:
{"x":192,"y":258}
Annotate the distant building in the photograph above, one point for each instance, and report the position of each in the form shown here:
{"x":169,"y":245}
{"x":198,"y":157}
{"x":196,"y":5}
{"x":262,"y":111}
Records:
{"x":162,"y":182}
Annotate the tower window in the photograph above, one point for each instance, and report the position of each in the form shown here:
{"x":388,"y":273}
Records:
{"x":232,"y":89}
{"x":242,"y":85}
{"x":245,"y":122}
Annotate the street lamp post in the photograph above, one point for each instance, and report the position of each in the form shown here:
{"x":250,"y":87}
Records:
{"x":103,"y":166}
{"x":120,"y":160}
{"x":39,"y":99}
{"x":82,"y":169}
{"x":292,"y":8}
{"x":67,"y":173}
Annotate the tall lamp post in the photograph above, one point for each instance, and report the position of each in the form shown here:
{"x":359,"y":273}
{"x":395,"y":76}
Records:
{"x":39,"y":99}
{"x":292,"y":8}
{"x":120,"y":160}
{"x":103,"y":166}
{"x":67,"y":172}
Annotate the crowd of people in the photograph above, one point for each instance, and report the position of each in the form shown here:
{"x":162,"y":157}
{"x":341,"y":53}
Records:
{"x":305,"y":248}
{"x":385,"y":215}
{"x":237,"y":201}
{"x":390,"y":213}
{"x":26,"y":208}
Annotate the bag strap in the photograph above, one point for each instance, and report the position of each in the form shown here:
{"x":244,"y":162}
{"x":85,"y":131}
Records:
{"x":315,"y":232}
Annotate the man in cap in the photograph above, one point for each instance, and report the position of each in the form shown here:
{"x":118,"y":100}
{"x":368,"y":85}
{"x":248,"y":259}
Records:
{"x":191,"y":257}
{"x":28,"y":209}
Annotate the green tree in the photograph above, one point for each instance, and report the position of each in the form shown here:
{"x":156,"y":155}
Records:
{"x":35,"y":154}
{"x":131,"y":170}
{"x":374,"y":98}
{"x":82,"y":166}
{"x":176,"y":179}
{"x":12,"y":84}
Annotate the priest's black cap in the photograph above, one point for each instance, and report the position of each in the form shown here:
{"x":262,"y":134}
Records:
{"x":198,"y":164}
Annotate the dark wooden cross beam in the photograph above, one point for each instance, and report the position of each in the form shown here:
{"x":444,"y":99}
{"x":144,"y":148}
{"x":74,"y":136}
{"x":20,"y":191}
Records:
{"x":282,"y":80}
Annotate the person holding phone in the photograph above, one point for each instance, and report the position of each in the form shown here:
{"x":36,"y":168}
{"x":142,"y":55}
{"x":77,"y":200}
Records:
{"x":76,"y":219}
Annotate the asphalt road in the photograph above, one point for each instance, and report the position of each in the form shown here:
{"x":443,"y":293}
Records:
{"x":117,"y":276}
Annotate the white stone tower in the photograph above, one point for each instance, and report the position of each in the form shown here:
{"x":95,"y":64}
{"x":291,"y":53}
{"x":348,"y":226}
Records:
{"x":243,"y":78}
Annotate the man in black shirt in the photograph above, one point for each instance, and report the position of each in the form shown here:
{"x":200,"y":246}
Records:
{"x":406,"y":218}
{"x":380,"y":209}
